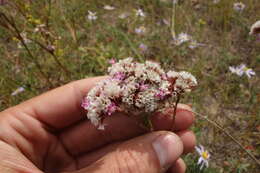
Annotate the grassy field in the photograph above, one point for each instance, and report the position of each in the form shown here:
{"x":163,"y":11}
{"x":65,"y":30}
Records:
{"x":45,"y":44}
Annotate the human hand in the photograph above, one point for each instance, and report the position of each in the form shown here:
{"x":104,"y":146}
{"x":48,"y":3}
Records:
{"x":50,"y":133}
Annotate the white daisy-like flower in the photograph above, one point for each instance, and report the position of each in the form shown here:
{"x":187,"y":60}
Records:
{"x":123,"y":15}
{"x":216,"y":1}
{"x":140,"y":30}
{"x":204,"y":157}
{"x":92,"y":15}
{"x":249,"y":72}
{"x":242,"y":69}
{"x":108,"y":7}
{"x":236,"y":70}
{"x":175,"y":1}
{"x":182,"y":38}
{"x":143,"y":47}
{"x":140,"y":13}
{"x":255,"y":28}
{"x":18,"y":91}
{"x":39,"y":28}
{"x":194,"y":44}
{"x":239,"y":6}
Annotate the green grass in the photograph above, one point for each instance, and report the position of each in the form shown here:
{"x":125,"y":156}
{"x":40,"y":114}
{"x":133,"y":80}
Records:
{"x":82,"y":49}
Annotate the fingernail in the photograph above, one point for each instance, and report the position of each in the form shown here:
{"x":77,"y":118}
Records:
{"x":168,"y":148}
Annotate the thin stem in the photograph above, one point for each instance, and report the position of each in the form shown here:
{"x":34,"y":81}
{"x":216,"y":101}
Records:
{"x":49,"y":13}
{"x":53,"y":55}
{"x":173,"y":20}
{"x":229,"y":135}
{"x":12,"y":23}
{"x":175,"y":110}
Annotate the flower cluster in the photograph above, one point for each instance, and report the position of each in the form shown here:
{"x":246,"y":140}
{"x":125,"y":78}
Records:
{"x":135,"y":88}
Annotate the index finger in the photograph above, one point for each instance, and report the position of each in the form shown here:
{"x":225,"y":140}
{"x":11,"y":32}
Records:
{"x":60,"y":107}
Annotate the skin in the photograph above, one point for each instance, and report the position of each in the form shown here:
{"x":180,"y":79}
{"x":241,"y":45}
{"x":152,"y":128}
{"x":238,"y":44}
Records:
{"x":50,"y":133}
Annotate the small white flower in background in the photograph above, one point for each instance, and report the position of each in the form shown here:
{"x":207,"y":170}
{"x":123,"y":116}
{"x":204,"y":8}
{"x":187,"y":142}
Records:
{"x":112,"y":61}
{"x":143,"y":47}
{"x":92,"y":15}
{"x":18,"y":91}
{"x":194,"y":44}
{"x":24,"y":36}
{"x":255,"y":28}
{"x":25,"y":39}
{"x":174,"y":1}
{"x":140,"y":30}
{"x":239,"y":6}
{"x":140,"y":13}
{"x":242,"y":69}
{"x":39,"y":28}
{"x":236,"y":70}
{"x":166,"y":22}
{"x":108,"y":7}
{"x":216,"y":1}
{"x":204,"y":157}
{"x":182,"y":38}
{"x":123,"y":15}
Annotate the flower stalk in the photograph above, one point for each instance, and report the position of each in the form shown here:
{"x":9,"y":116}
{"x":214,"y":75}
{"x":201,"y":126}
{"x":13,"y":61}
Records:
{"x":215,"y":124}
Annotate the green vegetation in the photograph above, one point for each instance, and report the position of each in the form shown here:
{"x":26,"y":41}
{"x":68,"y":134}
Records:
{"x":71,"y":47}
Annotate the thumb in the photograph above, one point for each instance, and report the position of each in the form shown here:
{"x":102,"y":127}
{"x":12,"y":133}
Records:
{"x":151,"y":153}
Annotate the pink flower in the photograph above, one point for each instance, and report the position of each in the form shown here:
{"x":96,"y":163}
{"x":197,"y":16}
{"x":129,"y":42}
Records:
{"x":111,"y":108}
{"x":161,"y":94}
{"x":112,"y":61}
{"x":85,"y":103}
{"x":143,"y":87}
{"x":119,"y":76}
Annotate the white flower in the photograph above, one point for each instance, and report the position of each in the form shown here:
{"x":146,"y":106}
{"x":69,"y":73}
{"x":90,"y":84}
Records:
{"x":239,"y":6}
{"x":216,"y":1}
{"x":143,"y":47}
{"x":174,"y":1}
{"x":141,"y":30}
{"x":242,"y":69}
{"x":108,"y":7}
{"x":39,"y":28}
{"x":204,"y":157}
{"x":182,"y":38}
{"x":255,"y":28}
{"x":140,"y":13}
{"x":123,"y":15}
{"x":249,"y":72}
{"x":18,"y":91}
{"x":236,"y":70}
{"x":92,"y":15}
{"x":194,"y":44}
